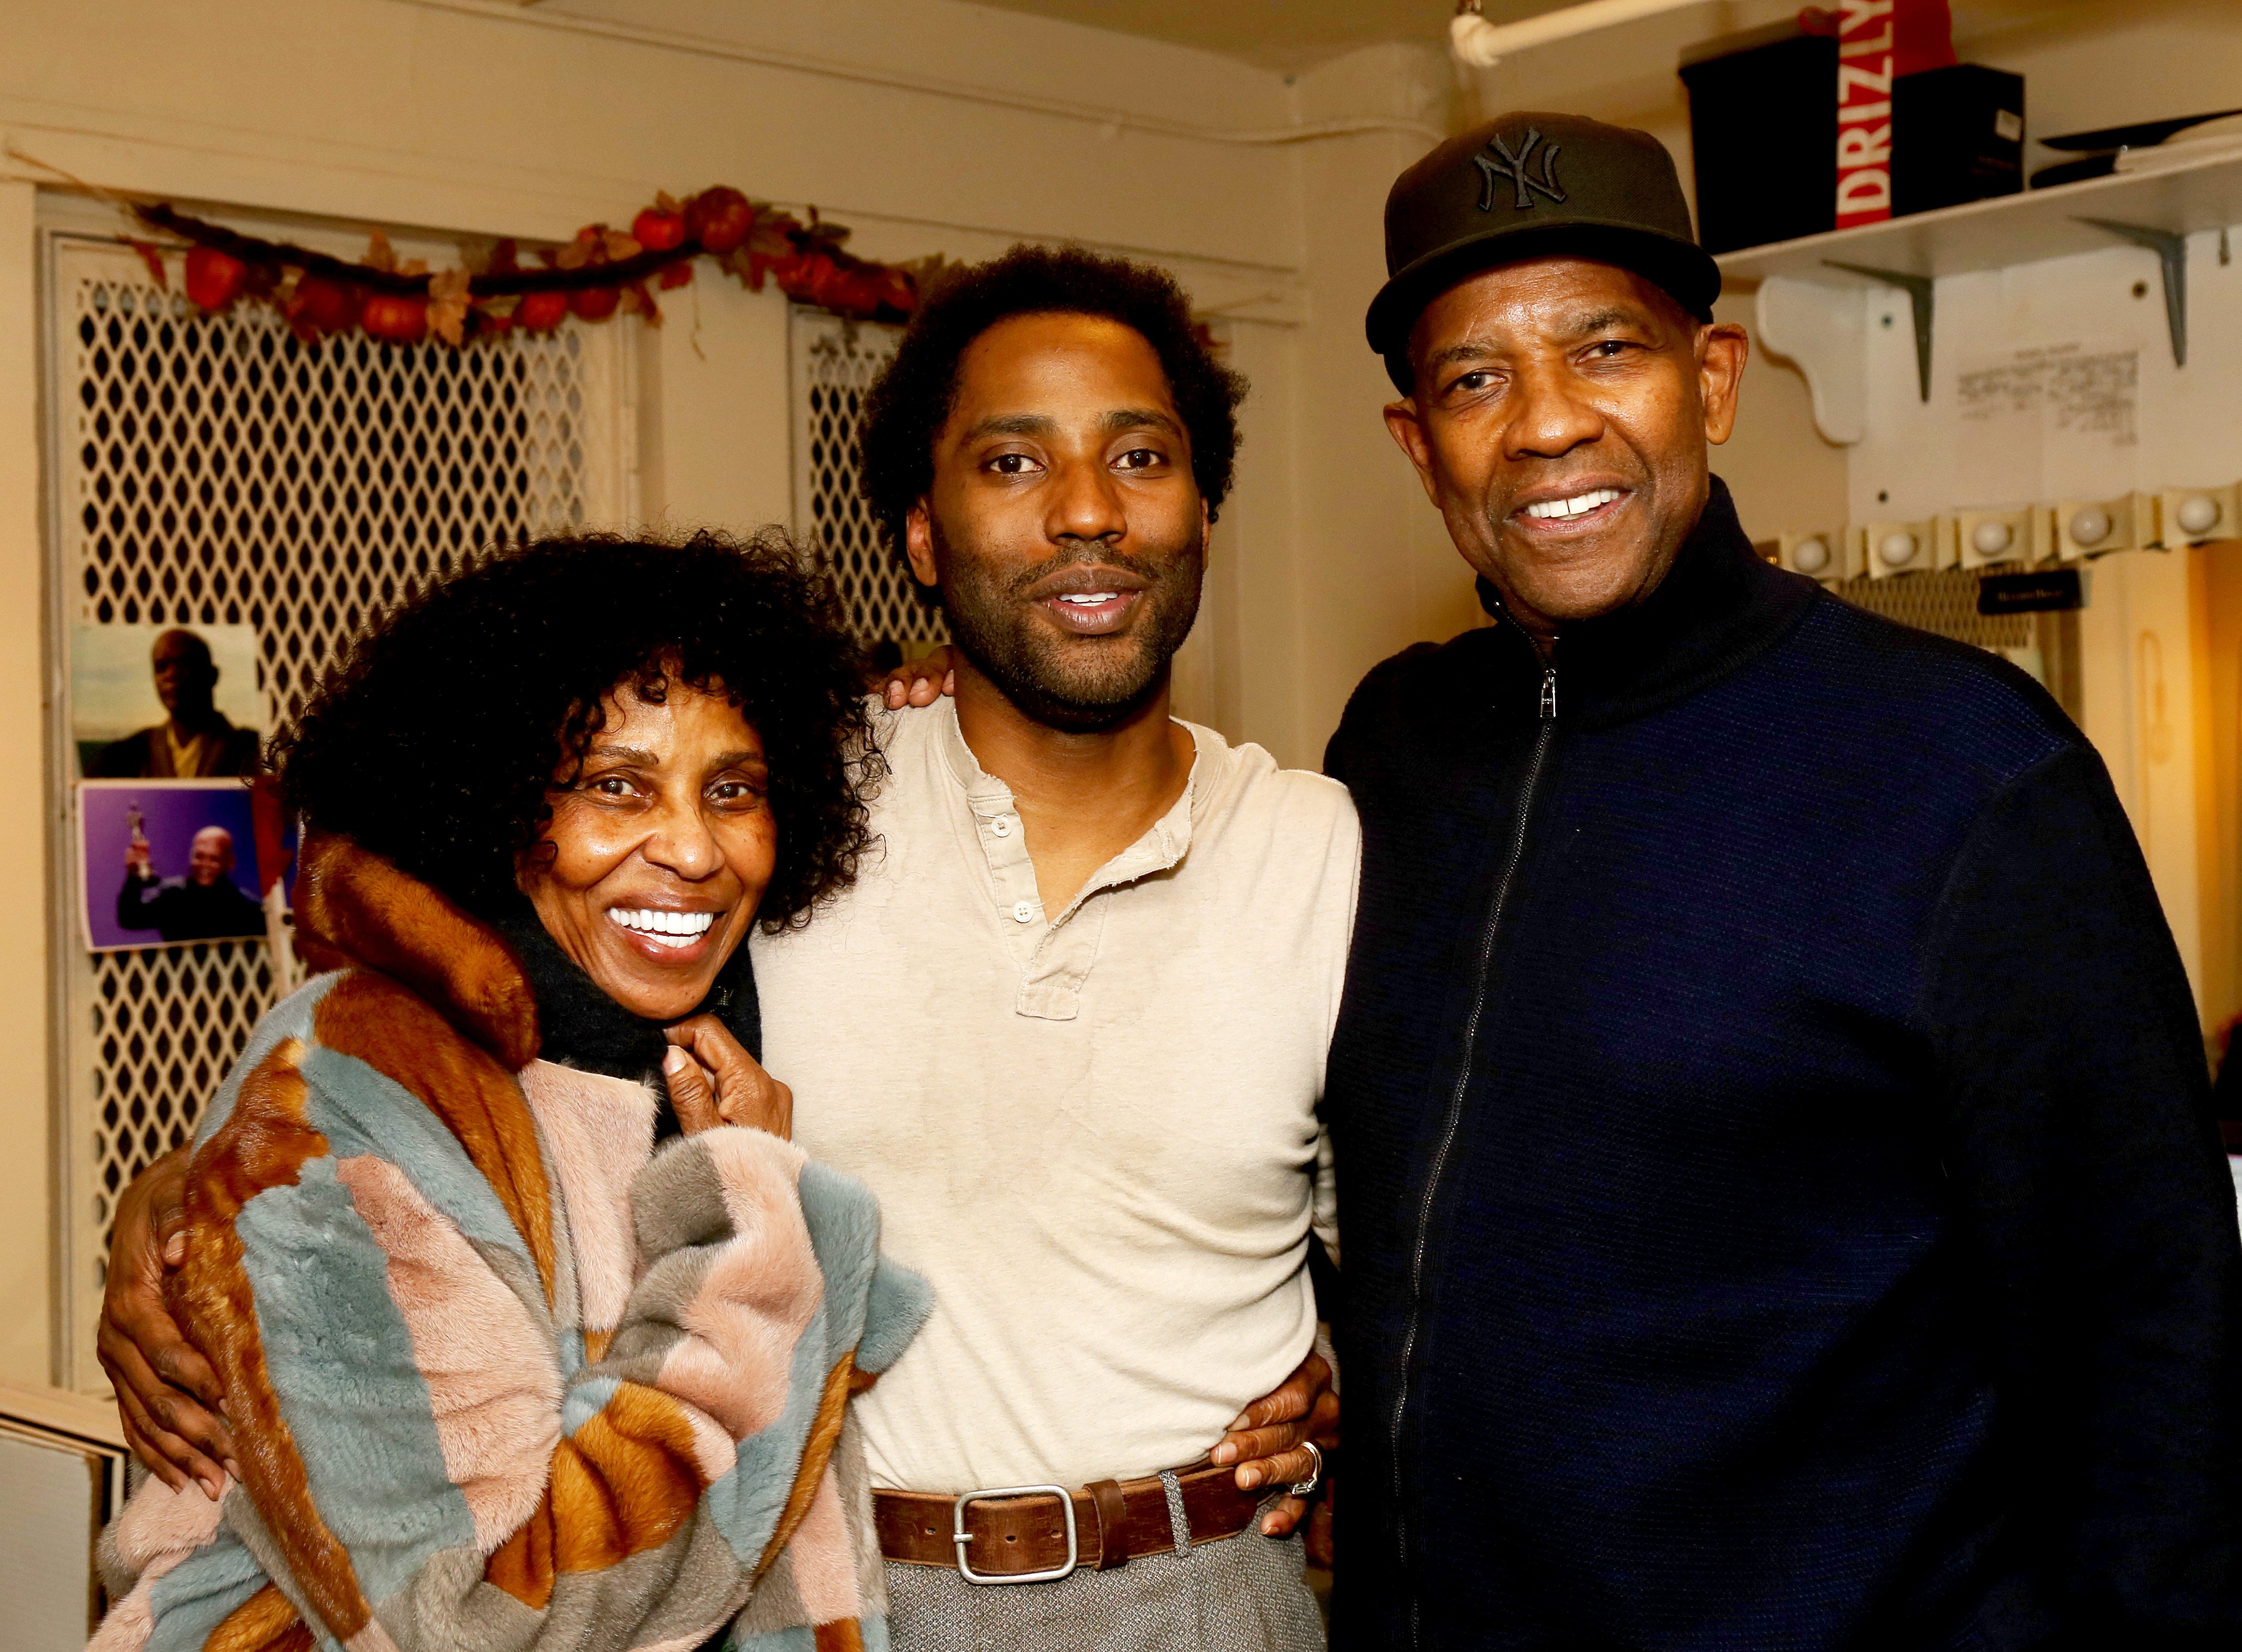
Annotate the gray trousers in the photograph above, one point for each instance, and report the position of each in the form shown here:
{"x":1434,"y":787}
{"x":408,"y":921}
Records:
{"x":1244,"y":1593}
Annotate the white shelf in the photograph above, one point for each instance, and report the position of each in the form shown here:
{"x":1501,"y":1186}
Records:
{"x":2009,"y":229}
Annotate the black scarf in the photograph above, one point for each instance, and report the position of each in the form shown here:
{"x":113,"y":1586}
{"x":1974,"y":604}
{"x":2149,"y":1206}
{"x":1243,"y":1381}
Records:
{"x":581,"y":1027}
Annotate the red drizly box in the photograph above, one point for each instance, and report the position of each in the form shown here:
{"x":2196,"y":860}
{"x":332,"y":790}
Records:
{"x":1878,"y":42}
{"x":1849,"y":116}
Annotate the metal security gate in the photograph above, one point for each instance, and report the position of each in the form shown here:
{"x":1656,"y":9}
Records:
{"x":831,"y":364}
{"x":215,"y":471}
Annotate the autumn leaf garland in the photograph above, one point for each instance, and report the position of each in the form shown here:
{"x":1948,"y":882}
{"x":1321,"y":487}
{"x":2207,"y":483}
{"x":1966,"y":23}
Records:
{"x":601,"y":273}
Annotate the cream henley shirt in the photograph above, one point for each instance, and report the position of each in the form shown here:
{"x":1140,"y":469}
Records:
{"x":1095,"y":1133}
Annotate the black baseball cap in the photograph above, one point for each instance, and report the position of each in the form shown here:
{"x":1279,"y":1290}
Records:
{"x":1532,"y":185}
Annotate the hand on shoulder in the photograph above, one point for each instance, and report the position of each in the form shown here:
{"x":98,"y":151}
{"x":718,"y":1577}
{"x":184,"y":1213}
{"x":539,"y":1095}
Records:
{"x":920,"y":682}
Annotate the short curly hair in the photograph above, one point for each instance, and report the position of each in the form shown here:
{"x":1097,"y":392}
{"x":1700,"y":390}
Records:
{"x":910,"y":400}
{"x":435,"y":742}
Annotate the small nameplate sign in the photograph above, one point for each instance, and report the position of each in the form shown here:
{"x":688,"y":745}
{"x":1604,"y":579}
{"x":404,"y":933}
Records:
{"x":2050,"y":592}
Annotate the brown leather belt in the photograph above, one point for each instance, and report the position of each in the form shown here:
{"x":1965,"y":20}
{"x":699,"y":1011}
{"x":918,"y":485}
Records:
{"x":1039,"y":1533}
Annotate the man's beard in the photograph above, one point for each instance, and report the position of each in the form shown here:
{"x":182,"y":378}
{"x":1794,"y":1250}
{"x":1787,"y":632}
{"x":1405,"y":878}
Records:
{"x":1082,"y":684}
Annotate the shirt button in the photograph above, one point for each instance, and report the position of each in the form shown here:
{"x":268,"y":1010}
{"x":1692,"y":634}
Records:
{"x":1002,"y":826}
{"x":1025,"y":912}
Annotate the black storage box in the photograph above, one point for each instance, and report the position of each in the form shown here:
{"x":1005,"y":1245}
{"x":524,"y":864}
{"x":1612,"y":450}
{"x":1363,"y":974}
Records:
{"x":1763,"y":122}
{"x":1957,"y":135}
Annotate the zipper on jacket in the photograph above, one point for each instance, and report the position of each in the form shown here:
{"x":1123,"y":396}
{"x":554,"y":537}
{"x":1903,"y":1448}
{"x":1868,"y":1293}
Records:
{"x":1453,"y":1118}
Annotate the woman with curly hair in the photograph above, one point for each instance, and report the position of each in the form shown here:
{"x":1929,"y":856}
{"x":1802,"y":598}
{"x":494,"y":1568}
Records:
{"x":532,"y":1329}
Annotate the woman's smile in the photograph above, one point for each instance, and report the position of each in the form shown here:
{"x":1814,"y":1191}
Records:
{"x":673,"y":935}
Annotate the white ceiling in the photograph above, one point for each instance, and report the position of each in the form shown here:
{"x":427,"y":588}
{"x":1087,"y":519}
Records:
{"x":1276,"y":34}
{"x":1293,"y":34}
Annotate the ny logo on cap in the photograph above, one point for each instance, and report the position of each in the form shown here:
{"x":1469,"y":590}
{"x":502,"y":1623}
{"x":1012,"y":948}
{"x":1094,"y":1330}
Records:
{"x":1513,"y":167}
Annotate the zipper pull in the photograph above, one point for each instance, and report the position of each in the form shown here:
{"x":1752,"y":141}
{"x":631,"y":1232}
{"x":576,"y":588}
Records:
{"x":1548,"y":693}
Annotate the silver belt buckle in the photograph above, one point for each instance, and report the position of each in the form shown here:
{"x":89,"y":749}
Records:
{"x":963,"y":1538}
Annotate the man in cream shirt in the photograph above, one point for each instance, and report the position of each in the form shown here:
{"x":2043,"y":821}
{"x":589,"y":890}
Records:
{"x":1093,"y":1130}
{"x":1071,"y":1023}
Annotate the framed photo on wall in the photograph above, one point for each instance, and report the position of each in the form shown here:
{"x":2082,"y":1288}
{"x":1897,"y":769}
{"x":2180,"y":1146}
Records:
{"x":165,"y":702}
{"x":167,"y":862}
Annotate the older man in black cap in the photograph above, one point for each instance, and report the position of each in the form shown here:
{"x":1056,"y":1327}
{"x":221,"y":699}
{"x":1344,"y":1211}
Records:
{"x":1783,"y":1208}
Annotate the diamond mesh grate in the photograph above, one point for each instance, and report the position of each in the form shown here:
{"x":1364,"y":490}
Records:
{"x":1944,"y":602}
{"x":833,"y":363}
{"x":225,"y":474}
{"x":217,"y":471}
{"x":167,"y":1024}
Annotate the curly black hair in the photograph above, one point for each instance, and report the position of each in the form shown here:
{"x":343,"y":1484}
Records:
{"x":910,"y":400}
{"x":435,"y":742}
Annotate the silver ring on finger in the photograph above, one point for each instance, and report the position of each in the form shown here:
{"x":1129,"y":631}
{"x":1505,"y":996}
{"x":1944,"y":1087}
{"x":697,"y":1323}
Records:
{"x":1307,"y":1487}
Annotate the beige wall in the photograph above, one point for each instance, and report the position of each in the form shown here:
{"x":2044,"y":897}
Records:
{"x":1785,"y":477}
{"x":464,"y":115}
{"x":712,"y":431}
{"x":25,"y":817}
{"x":1372,"y":567}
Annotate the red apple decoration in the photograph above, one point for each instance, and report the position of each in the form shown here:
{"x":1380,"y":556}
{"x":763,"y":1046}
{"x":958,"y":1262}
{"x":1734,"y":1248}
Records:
{"x":214,"y":278}
{"x":396,"y":317}
{"x":791,"y":271}
{"x":720,"y":218}
{"x":812,"y":276}
{"x":896,"y":293}
{"x":321,"y":305}
{"x":596,"y":303}
{"x":542,"y":311}
{"x":659,"y":231}
{"x":867,"y":292}
{"x":828,"y":285}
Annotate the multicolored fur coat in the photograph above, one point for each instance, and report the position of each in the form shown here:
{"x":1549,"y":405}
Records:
{"x":500,"y":1375}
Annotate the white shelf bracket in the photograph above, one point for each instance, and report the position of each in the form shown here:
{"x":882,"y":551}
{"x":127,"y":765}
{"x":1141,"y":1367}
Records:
{"x":1824,"y":330}
{"x":1922,"y":297}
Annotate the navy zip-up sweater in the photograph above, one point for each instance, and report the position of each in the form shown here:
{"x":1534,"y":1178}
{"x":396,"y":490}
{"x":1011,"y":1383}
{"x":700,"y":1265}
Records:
{"x":1783,"y":1210}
